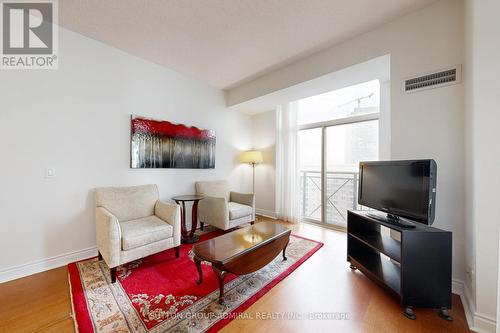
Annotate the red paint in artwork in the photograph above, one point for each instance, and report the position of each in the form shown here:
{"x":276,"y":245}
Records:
{"x":168,"y":129}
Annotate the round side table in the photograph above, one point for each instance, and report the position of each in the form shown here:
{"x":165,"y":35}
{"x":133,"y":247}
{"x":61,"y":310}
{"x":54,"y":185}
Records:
{"x":188,"y":237}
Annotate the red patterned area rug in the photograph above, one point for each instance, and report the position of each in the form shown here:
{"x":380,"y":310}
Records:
{"x":159,"y":293}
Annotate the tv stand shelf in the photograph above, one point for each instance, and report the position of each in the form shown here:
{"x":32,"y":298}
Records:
{"x":383,"y":244}
{"x":412,"y":264}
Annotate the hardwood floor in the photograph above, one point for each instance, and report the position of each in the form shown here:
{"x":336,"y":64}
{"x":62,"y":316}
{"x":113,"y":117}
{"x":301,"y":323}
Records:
{"x":324,"y":283}
{"x":37,"y":303}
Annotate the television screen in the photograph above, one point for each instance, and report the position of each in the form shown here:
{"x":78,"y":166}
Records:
{"x":401,"y":188}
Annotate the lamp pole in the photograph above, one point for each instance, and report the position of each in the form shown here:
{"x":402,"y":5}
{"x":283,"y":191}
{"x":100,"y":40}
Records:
{"x":252,"y":157}
{"x":253,"y":177}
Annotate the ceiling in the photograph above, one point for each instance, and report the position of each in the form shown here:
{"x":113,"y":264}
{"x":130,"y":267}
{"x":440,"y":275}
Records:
{"x":227,"y":42}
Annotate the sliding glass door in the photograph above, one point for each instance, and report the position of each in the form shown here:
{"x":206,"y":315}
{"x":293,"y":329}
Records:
{"x":346,"y":145}
{"x":337,"y":131}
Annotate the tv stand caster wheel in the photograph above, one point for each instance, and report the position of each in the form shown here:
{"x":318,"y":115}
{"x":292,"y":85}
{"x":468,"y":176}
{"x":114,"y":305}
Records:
{"x":409,"y":313}
{"x":444,"y":314}
{"x":351,"y":266}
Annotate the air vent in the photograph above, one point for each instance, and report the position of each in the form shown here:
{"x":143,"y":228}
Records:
{"x":445,"y":77}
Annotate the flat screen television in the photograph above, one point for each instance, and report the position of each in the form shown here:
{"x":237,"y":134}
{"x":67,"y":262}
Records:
{"x":400,"y":188}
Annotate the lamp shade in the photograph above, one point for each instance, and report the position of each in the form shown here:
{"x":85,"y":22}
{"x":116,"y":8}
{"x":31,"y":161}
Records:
{"x":251,"y":156}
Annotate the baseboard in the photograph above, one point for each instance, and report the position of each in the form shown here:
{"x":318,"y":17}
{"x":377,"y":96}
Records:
{"x":16,"y":272}
{"x":457,"y":287}
{"x":477,"y":321}
{"x":266,"y":213}
{"x":484,"y":324}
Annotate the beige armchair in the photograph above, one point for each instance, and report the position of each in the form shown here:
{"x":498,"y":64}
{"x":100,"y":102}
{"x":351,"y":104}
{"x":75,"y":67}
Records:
{"x":222,"y":208}
{"x":132,"y":223}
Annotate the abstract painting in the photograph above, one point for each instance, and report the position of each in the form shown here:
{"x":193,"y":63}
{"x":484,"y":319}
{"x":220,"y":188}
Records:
{"x":162,"y":144}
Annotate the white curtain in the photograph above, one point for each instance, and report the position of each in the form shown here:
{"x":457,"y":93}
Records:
{"x":287,"y":167}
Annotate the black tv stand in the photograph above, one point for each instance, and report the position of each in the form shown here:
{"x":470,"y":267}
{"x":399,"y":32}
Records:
{"x":393,"y":219}
{"x":412,"y":264}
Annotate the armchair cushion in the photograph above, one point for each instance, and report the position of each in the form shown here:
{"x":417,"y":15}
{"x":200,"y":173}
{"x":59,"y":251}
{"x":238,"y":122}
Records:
{"x":144,"y":231}
{"x":128,"y":203}
{"x":217,"y":189}
{"x":237,"y":210}
{"x":243,"y":198}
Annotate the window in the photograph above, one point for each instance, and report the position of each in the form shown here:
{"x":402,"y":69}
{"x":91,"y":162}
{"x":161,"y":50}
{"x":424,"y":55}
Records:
{"x":338,"y":129}
{"x":355,"y":100}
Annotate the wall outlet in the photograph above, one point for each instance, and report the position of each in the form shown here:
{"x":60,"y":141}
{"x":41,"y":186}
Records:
{"x":469,"y":272}
{"x":50,"y":173}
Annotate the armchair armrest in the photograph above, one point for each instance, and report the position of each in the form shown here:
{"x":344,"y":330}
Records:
{"x":243,"y":198}
{"x":108,"y":236}
{"x":171,"y":214}
{"x":214,"y":211}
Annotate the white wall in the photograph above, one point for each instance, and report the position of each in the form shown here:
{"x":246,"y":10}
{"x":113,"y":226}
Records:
{"x":483,"y":158}
{"x":77,"y":120}
{"x":264,"y":139}
{"x":427,"y":124}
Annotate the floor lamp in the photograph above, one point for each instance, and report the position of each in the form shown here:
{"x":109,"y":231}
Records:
{"x":252,"y":157}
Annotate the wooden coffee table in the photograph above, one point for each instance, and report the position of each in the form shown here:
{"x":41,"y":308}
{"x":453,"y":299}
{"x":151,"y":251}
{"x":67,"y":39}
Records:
{"x":242,"y":251}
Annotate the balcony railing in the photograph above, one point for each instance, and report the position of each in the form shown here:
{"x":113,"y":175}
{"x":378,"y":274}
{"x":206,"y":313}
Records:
{"x":341,"y":195}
